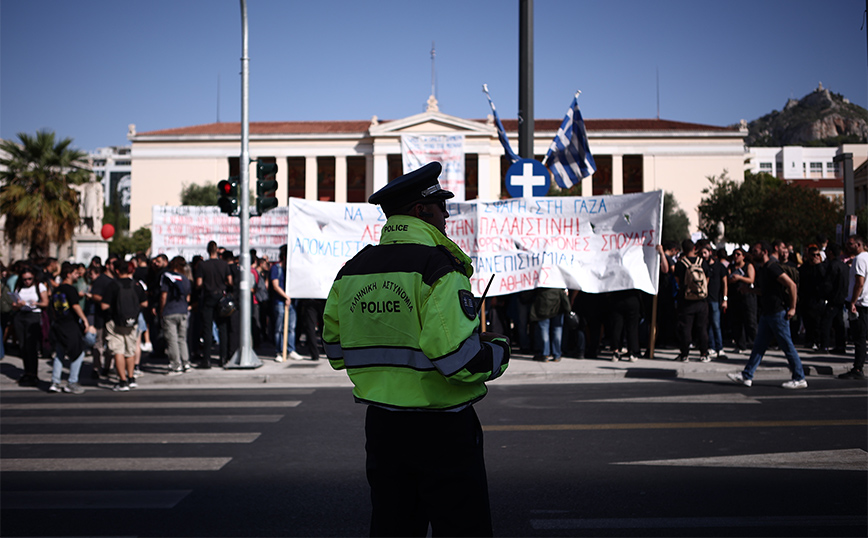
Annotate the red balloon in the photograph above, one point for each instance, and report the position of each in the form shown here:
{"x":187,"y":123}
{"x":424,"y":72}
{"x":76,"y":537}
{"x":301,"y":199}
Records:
{"x":107,"y":231}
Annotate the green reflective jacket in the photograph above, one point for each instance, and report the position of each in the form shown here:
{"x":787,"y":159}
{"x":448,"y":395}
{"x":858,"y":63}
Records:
{"x":401,"y":319}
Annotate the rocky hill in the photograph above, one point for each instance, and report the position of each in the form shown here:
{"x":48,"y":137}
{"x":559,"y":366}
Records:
{"x":821,"y":118}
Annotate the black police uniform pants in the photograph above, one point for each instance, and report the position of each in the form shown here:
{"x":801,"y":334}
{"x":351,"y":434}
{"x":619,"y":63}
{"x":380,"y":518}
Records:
{"x":426,"y":467}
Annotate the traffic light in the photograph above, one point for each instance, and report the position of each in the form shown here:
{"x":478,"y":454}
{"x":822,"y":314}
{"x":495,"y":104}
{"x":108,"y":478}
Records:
{"x":266,"y":187}
{"x":228,"y":202}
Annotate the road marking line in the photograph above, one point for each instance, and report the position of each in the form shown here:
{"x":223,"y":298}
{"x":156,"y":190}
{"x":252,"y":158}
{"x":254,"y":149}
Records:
{"x":143,"y":419}
{"x":673,"y":425}
{"x":125,"y":438}
{"x":853,"y":459}
{"x":93,"y":499}
{"x":698,"y":522}
{"x":112,"y":464}
{"x":150,"y":405}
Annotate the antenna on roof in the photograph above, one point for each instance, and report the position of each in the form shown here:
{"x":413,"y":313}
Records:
{"x":218,"y":97}
{"x":658,"y":92}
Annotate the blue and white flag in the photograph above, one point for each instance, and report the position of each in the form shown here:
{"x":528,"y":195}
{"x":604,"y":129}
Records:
{"x":501,"y":132}
{"x":569,"y":157}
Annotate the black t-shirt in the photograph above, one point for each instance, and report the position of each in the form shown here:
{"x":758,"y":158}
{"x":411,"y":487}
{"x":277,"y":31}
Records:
{"x":99,"y":287}
{"x":772,"y":299}
{"x":64,"y":325}
{"x":716,"y":274}
{"x":213,"y":273}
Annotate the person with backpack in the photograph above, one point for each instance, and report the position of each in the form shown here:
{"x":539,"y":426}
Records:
{"x":778,"y":294}
{"x":213,"y":279}
{"x":124,"y":299}
{"x":691,"y":275}
{"x":68,"y":327}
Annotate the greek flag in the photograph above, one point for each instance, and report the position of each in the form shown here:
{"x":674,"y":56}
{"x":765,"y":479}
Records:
{"x":501,"y":133}
{"x":569,"y":157}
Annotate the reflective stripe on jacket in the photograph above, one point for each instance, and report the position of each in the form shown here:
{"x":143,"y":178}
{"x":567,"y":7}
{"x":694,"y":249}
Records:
{"x":400,"y":318}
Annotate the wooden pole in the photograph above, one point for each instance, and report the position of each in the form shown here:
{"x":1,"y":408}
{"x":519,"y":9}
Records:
{"x":285,"y":328}
{"x":652,"y":334}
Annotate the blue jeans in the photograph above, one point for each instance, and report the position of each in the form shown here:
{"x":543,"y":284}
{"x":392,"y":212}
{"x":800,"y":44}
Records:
{"x":279,"y":307}
{"x":715,"y":337}
{"x":774,"y":324}
{"x":556,"y":326}
{"x":74,"y":366}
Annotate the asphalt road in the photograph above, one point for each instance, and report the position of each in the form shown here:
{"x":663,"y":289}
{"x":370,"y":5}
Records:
{"x":678,"y":457}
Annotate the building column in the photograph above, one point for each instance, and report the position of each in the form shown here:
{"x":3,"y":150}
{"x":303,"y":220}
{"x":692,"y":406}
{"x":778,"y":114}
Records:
{"x":310,"y":183}
{"x":381,"y":172}
{"x":282,"y":177}
{"x":483,"y":175}
{"x":369,"y":175}
{"x":588,"y":186}
{"x":617,"y":174}
{"x":341,"y":179}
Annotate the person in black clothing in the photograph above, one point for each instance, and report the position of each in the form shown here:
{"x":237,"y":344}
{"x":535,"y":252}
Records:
{"x":310,"y":317}
{"x":233,"y":322}
{"x":122,"y":337}
{"x":718,"y":300}
{"x":68,"y":324}
{"x":212,"y":280}
{"x":812,"y":275}
{"x":692,"y":313}
{"x":835,"y":289}
{"x":743,"y":305}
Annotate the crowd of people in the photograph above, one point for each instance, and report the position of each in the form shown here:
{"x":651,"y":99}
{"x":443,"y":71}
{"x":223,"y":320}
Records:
{"x":118,"y":311}
{"x":182,"y":311}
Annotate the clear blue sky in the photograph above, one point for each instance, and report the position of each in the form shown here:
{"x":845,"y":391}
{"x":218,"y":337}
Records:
{"x":88,"y":68}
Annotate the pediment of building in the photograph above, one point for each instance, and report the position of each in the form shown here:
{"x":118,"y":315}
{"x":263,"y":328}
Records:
{"x":432,"y":122}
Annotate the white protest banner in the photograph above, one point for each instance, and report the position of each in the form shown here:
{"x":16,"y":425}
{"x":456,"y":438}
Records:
{"x":186,"y":230}
{"x":419,"y":150}
{"x":323,"y":236}
{"x":596,"y":244}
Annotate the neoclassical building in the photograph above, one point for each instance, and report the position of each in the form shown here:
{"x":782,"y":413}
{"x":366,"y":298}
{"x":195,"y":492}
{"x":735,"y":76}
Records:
{"x":345,"y":161}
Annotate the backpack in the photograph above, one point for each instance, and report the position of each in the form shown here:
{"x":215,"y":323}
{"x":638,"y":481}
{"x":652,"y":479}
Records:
{"x":695,"y":280}
{"x":126,"y":305}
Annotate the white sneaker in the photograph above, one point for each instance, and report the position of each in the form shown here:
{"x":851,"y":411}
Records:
{"x":295,"y":356}
{"x":738,"y":378}
{"x":54,"y":388}
{"x":795,"y":384}
{"x":147,"y":346}
{"x":712,"y":353}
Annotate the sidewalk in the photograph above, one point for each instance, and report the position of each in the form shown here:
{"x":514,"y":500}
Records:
{"x":522,"y":370}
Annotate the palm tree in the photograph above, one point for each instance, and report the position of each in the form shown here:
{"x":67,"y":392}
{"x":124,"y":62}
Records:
{"x":36,"y":195}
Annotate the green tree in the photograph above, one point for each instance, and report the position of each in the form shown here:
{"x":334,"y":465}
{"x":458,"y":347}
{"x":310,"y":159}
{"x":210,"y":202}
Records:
{"x":123,"y":244}
{"x":765,"y":208}
{"x":35,"y":189}
{"x":676,"y":224}
{"x":194,"y":194}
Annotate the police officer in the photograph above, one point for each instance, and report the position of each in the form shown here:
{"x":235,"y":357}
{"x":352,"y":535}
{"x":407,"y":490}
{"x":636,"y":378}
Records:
{"x":401,"y":319}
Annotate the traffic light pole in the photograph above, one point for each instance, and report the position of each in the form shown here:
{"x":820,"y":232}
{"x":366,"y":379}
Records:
{"x":245,"y":357}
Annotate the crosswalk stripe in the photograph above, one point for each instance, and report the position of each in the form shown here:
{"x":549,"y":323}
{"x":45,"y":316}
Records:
{"x":146,"y":404}
{"x":672,"y":425}
{"x":853,"y":459}
{"x":125,"y":438}
{"x":143,"y":419}
{"x":93,"y":499}
{"x":112,"y":464}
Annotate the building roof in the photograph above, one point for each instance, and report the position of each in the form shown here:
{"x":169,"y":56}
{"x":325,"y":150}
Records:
{"x":361,"y":126}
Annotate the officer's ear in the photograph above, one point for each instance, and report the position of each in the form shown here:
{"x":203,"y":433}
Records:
{"x":420,"y":212}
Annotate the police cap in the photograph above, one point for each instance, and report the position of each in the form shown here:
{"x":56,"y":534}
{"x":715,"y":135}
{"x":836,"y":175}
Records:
{"x":420,"y":186}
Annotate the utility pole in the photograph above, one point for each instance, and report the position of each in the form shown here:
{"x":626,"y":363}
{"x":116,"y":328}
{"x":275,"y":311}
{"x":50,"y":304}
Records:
{"x":245,"y":357}
{"x":525,"y":79}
